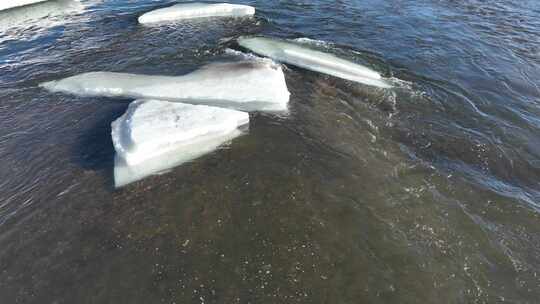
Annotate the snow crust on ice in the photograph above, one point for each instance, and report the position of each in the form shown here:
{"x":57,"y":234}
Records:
{"x":155,"y":135}
{"x":7,"y":4}
{"x":195,"y":10}
{"x":247,"y":85}
{"x":314,"y":60}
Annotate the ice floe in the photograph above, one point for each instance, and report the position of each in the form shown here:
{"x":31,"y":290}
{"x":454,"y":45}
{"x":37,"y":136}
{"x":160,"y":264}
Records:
{"x":38,"y":16}
{"x":196,"y":10}
{"x":305,"y":57}
{"x":247,"y":85}
{"x":155,"y":135}
{"x":7,"y":4}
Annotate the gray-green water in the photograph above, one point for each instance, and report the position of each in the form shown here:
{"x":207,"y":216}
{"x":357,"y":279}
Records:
{"x":428,"y":193}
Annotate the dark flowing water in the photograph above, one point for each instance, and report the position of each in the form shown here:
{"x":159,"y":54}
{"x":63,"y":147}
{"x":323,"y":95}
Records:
{"x":427,"y":193}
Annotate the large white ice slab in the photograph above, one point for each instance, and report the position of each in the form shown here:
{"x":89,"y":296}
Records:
{"x":196,"y":10}
{"x":314,"y":60}
{"x":247,"y":85}
{"x":7,"y":4}
{"x":151,"y":127}
{"x":154,"y":135}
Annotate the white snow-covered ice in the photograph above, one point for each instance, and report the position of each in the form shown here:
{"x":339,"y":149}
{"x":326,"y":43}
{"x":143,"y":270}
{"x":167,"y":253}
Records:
{"x":150,"y":127}
{"x":7,"y":4}
{"x":305,"y":57}
{"x":155,"y":135}
{"x":247,"y":85}
{"x":196,"y":10}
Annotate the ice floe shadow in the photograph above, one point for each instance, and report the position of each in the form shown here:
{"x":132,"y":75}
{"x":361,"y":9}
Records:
{"x":94,"y":150}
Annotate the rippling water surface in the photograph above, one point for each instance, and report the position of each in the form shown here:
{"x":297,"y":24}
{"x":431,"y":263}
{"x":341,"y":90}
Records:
{"x":426,"y":193}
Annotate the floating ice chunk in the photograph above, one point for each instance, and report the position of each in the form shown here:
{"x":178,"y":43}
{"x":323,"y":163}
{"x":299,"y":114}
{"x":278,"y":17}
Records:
{"x":310,"y":59}
{"x":196,"y":10}
{"x":151,"y":127}
{"x":7,"y":4}
{"x":125,"y":174}
{"x":247,"y":85}
{"x":154,"y":135}
{"x":25,"y":23}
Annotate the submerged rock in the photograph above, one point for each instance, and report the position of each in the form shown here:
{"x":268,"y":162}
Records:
{"x":154,"y":135}
{"x":307,"y":58}
{"x":248,"y":85}
{"x":196,"y":10}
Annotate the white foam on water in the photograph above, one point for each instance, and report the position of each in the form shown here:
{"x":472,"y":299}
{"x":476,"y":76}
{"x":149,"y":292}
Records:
{"x":154,"y":136}
{"x":310,"y":59}
{"x":247,"y":85}
{"x":196,"y":10}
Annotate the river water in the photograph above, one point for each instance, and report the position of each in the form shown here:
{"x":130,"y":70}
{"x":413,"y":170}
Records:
{"x":425,"y":193}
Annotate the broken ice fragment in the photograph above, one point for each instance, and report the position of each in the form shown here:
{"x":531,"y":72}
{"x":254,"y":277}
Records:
{"x":307,"y":58}
{"x":247,"y":85}
{"x":154,"y":135}
{"x":7,"y":4}
{"x":196,"y":10}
